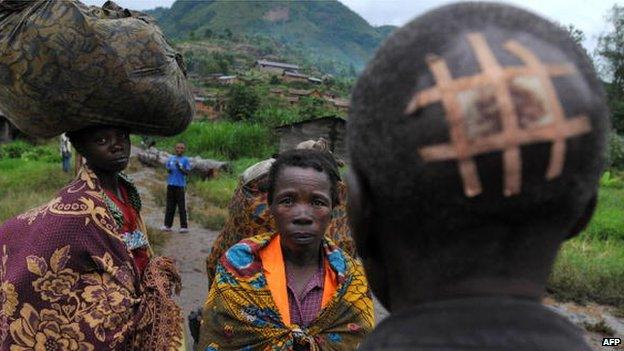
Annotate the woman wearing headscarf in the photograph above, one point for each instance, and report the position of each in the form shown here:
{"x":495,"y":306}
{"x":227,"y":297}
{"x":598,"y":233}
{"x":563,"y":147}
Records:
{"x":78,"y":273}
{"x":292,"y":288}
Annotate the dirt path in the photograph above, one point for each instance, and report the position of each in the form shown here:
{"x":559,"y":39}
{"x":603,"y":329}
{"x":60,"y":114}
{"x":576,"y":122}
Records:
{"x":188,"y":249}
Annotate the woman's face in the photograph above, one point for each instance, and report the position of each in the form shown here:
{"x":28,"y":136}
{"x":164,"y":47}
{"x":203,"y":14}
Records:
{"x":106,"y":148}
{"x":301,"y":206}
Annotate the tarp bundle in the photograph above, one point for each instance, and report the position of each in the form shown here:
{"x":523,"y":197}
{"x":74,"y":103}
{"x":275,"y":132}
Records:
{"x":65,"y":66}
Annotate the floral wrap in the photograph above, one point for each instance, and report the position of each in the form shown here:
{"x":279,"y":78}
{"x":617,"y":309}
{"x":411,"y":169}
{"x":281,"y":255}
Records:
{"x":69,"y":282}
{"x":240,"y":313}
{"x":249,"y":216}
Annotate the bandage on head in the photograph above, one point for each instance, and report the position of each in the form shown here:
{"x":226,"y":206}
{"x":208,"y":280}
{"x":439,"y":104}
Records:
{"x":490,"y":112}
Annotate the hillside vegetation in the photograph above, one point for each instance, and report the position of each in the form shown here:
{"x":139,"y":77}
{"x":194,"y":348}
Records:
{"x":323,"y":31}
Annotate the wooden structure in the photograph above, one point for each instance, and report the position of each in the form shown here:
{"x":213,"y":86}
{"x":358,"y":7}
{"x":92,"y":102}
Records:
{"x":332,"y":128}
{"x":342,"y":104}
{"x":227,"y":80}
{"x":205,"y":168}
{"x":275,"y":67}
{"x":290,"y":76}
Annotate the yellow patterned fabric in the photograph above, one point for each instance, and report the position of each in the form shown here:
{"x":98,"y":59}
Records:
{"x":68,"y":280}
{"x":240,"y":313}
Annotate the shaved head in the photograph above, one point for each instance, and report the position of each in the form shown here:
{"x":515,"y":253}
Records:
{"x":476,"y":136}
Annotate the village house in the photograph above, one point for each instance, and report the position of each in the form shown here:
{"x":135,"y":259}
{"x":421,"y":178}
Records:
{"x":315,"y":80}
{"x":293,"y":100}
{"x":332,"y":128}
{"x":276,"y":91}
{"x":227,"y":80}
{"x":302,"y":92}
{"x":342,"y":104}
{"x":275,"y":67}
{"x":290,"y":76}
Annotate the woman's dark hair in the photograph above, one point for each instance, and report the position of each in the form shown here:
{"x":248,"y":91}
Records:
{"x":305,"y":158}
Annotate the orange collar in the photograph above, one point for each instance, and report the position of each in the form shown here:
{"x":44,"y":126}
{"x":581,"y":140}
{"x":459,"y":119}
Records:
{"x":275,"y":273}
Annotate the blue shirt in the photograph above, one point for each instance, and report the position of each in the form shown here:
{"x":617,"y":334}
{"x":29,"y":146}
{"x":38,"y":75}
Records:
{"x":176,"y":177}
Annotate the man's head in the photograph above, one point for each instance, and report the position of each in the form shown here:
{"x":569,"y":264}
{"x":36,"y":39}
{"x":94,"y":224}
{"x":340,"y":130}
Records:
{"x":180,"y":148}
{"x":476,"y":138}
{"x":106,"y":148}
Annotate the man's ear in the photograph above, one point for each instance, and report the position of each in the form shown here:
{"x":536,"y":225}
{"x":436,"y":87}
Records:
{"x":585,"y":217}
{"x":359,"y":212}
{"x":365,"y":230}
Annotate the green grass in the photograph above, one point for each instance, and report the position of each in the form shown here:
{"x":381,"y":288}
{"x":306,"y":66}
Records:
{"x":223,"y":140}
{"x":27,"y":184}
{"x":215,"y":195}
{"x":216,"y":191}
{"x":608,"y":220}
{"x":590,"y":270}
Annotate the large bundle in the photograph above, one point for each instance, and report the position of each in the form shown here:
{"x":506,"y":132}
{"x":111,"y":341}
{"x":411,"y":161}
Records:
{"x":65,"y":66}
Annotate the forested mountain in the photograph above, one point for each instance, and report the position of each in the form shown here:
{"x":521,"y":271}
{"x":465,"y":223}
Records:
{"x":326,"y":30}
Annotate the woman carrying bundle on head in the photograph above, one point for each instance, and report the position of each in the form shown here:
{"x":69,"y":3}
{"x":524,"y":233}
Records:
{"x":78,"y":272}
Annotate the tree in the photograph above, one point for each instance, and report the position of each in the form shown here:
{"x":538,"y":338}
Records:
{"x":611,"y":50}
{"x":242,"y":103}
{"x":274,"y":80}
{"x":208,"y":33}
{"x":312,"y":107}
{"x":577,"y":35}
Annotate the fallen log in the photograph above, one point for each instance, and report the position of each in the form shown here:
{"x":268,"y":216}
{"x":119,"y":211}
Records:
{"x":204,"y":168}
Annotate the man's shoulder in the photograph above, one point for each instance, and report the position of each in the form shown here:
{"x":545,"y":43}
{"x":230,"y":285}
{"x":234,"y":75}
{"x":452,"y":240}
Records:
{"x":470,"y":324}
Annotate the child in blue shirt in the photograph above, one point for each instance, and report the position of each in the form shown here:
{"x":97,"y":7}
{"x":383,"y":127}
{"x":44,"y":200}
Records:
{"x":178,"y":167}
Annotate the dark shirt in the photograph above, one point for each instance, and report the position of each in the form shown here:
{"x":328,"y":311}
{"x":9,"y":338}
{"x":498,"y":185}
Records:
{"x":483,"y":324}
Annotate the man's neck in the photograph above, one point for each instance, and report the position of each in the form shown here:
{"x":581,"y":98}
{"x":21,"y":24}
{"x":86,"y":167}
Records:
{"x":468,"y":288}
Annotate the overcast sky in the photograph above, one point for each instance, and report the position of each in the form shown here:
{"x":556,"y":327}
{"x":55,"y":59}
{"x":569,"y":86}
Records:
{"x":587,"y":15}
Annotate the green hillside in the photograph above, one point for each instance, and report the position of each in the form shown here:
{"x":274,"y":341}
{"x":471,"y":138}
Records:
{"x":326,"y":30}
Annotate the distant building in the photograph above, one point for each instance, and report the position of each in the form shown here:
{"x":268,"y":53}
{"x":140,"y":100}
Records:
{"x":275,"y":67}
{"x":202,"y":108}
{"x":298,"y":92}
{"x":277,"y":91}
{"x":227,"y":80}
{"x":342,"y":104}
{"x":331,"y":128}
{"x":290,"y":76}
{"x":8,"y":131}
{"x":292,"y":99}
{"x":315,"y":80}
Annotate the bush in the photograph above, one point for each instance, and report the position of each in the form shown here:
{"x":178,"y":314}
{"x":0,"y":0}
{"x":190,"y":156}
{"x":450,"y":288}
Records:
{"x":615,"y":152}
{"x":272,"y":116}
{"x":14,"y":149}
{"x":242,"y":103}
{"x":224,"y":140}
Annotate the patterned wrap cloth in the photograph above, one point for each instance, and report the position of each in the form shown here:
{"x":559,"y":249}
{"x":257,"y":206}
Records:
{"x":249,"y":216}
{"x":69,"y":282}
{"x":240,"y":313}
